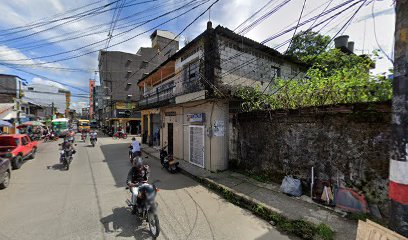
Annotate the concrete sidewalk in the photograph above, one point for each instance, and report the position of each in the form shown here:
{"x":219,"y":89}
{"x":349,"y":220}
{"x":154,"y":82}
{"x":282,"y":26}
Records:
{"x":269,"y":195}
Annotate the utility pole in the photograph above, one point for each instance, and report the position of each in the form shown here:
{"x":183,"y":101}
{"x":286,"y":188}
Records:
{"x":19,"y":95}
{"x":398,"y":187}
{"x":52,"y":110}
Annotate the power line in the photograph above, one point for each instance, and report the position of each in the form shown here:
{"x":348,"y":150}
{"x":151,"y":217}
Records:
{"x":130,"y":38}
{"x":375,"y":35}
{"x":89,"y":31}
{"x":88,"y":13}
{"x":297,"y":25}
{"x":185,"y":28}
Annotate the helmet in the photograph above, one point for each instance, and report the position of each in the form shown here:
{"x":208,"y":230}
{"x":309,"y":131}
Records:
{"x":138,"y":162}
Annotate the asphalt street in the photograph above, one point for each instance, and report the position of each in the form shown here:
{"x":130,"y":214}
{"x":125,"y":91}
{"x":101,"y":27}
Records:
{"x":44,"y":201}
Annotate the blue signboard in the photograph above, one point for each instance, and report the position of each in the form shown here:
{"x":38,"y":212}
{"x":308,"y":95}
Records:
{"x":196,"y":118}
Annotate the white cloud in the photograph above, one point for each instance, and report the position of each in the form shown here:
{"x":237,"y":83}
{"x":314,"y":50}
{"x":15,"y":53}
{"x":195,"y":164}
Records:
{"x":79,"y":105}
{"x":48,"y":82}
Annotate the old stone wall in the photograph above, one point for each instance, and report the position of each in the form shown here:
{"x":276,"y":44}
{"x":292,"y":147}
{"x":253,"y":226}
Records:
{"x":348,"y":144}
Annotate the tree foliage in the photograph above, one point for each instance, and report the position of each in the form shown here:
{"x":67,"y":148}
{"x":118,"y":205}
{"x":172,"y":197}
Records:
{"x":307,"y":45}
{"x":333,"y":78}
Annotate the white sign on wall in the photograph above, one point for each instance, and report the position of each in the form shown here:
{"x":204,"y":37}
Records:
{"x":219,"y":129}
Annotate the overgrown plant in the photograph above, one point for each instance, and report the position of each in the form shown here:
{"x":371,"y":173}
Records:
{"x":333,"y":78}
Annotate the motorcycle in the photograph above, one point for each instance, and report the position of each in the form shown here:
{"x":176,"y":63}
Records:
{"x":119,"y":135}
{"x":50,"y":137}
{"x":93,"y":141}
{"x":83,"y":136}
{"x":167,"y":161}
{"x":66,"y":157}
{"x":148,"y":205}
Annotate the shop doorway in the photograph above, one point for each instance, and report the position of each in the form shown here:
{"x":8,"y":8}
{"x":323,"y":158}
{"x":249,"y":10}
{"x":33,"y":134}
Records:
{"x":170,"y":137}
{"x":155,"y":129}
{"x":145,"y":127}
{"x":134,"y":127}
{"x":196,"y":145}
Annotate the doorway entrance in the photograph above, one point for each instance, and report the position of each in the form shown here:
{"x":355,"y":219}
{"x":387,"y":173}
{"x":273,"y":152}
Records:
{"x":170,"y":137}
{"x":196,"y":145}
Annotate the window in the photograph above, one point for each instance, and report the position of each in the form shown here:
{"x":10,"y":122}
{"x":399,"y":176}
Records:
{"x":144,"y":64}
{"x":191,"y":71}
{"x":24,"y":140}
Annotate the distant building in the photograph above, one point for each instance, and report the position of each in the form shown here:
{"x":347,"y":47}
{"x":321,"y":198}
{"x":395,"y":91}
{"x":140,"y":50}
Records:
{"x":119,"y":73}
{"x":85,"y":113}
{"x":98,"y":95}
{"x":45,"y":95}
{"x":10,"y":87}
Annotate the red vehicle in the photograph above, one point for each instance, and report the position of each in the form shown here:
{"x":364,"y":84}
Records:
{"x":17,"y":147}
{"x":119,"y":135}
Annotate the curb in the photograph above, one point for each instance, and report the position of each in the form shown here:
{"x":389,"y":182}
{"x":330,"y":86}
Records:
{"x":298,"y":227}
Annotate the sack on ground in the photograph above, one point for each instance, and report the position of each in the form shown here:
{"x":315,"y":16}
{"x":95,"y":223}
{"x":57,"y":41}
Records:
{"x":291,"y":186}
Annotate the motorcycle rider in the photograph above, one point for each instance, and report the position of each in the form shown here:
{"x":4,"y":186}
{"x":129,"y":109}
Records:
{"x":68,"y":147}
{"x":83,"y":134}
{"x":135,"y":148}
{"x":94,"y":135}
{"x":138,"y":174}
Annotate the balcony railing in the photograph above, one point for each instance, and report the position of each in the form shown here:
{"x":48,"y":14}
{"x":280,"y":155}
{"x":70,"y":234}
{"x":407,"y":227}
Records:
{"x":166,"y":93}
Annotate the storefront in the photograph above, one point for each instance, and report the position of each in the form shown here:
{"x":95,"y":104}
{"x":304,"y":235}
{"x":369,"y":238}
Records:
{"x":197,"y":133}
{"x":151,"y":125}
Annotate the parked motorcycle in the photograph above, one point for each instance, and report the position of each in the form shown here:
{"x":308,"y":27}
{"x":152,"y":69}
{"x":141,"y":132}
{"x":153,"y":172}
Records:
{"x":147,"y":193}
{"x":167,"y":161}
{"x":119,"y":135}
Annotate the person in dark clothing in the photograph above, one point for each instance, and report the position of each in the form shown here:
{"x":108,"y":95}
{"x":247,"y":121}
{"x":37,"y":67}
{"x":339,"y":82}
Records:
{"x":138,"y":174}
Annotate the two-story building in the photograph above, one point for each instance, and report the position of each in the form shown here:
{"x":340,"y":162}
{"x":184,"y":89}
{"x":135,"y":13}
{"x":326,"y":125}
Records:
{"x":187,"y":102}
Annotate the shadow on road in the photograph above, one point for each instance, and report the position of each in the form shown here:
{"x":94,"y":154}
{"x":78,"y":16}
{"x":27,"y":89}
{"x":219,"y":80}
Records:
{"x":116,"y":156}
{"x":123,"y":224}
{"x":57,"y":166}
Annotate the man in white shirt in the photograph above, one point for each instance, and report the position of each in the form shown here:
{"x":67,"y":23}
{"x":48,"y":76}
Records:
{"x":135,"y":148}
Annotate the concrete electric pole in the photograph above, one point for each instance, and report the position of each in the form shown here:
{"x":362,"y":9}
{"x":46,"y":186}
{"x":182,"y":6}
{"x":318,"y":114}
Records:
{"x":398,"y":187}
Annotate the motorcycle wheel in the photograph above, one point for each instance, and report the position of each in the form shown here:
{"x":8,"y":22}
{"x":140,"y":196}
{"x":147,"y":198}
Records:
{"x":125,"y":136}
{"x":154,"y":225}
{"x":115,"y":137}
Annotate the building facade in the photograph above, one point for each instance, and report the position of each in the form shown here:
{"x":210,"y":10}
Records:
{"x":47,"y":95}
{"x":119,"y":73}
{"x":188,"y":101}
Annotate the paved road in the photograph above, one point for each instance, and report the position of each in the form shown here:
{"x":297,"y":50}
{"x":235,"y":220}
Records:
{"x":88,"y":201}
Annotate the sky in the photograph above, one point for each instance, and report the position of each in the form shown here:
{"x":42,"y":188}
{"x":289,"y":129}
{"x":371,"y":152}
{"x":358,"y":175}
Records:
{"x":25,"y":52}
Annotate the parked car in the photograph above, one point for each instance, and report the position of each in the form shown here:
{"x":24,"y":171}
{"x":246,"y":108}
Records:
{"x":5,"y":172}
{"x":17,"y":147}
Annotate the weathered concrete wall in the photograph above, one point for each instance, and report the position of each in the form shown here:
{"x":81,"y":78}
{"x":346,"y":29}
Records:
{"x":242,"y":65}
{"x":349,"y":143}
